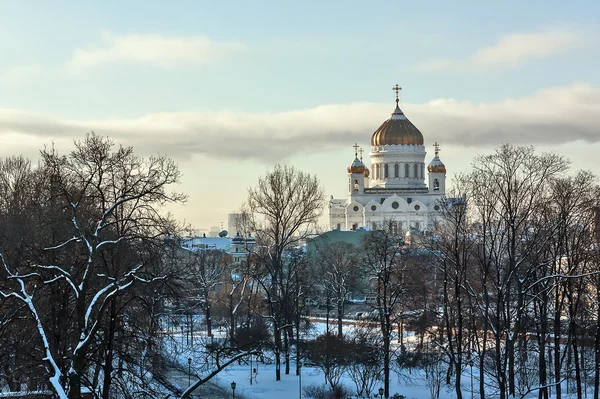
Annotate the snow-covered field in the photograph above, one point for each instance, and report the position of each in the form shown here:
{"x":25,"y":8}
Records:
{"x":412,"y":384}
{"x":265,"y":387}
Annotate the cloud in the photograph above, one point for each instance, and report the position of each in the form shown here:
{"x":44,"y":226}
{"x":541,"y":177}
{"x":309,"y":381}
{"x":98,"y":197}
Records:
{"x":151,"y":49}
{"x":511,"y":51}
{"x":552,"y":116}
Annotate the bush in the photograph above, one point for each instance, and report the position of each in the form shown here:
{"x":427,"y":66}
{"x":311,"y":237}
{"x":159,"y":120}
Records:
{"x":325,"y":392}
{"x":257,"y":333}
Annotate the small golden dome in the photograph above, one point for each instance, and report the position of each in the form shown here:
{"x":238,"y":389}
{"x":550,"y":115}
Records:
{"x":436,"y":165}
{"x":441,"y":168}
{"x":366,"y":173}
{"x":357,"y":166}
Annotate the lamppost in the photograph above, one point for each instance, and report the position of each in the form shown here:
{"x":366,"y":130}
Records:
{"x":300,"y":380}
{"x":253,"y":371}
{"x":381,"y":393}
{"x":471,"y":366}
{"x":233,"y":389}
{"x":189,"y":371}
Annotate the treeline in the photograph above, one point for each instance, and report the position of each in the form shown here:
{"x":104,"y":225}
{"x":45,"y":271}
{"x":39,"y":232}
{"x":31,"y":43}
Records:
{"x":94,"y":284}
{"x":517,"y":252}
{"x":85,"y":264}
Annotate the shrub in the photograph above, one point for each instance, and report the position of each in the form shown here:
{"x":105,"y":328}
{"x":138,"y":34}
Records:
{"x":325,"y":392}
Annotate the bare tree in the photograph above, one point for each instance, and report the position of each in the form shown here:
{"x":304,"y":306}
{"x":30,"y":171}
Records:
{"x":364,"y":359}
{"x":384,"y":260}
{"x":339,"y":269}
{"x":452,"y":248}
{"x":507,"y":188}
{"x":284,"y":206}
{"x":207,"y":272}
{"x":107,"y":203}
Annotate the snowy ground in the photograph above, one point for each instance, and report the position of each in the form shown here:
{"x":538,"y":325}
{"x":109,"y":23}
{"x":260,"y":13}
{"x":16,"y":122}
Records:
{"x":412,"y":384}
{"x":265,"y":386}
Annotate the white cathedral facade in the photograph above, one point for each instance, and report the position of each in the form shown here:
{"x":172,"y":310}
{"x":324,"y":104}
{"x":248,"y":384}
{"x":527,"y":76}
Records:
{"x":394,"y":190}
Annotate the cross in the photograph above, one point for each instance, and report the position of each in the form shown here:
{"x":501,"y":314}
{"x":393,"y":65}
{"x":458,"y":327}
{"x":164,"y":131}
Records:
{"x":355,"y":150}
{"x":437,"y":148}
{"x":397,"y":90}
{"x":361,"y":152}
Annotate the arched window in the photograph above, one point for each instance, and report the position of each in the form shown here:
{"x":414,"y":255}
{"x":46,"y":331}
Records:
{"x":406,"y":170}
{"x":422,"y":171}
{"x":396,"y":170}
{"x":416,"y":168}
{"x":339,"y":226}
{"x":385,"y":170}
{"x":374,"y":226}
{"x":355,"y":185}
{"x":436,"y":185}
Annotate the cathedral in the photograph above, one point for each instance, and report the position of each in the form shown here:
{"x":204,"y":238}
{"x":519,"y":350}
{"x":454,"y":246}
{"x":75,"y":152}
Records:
{"x":394,"y":190}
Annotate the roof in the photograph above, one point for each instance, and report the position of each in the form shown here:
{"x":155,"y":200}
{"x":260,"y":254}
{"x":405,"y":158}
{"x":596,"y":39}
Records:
{"x":222,"y":243}
{"x":353,"y":237}
{"x":436,"y":166}
{"x":397,"y":130}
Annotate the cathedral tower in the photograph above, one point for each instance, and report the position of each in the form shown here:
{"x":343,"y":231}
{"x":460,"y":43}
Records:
{"x":393,"y":194}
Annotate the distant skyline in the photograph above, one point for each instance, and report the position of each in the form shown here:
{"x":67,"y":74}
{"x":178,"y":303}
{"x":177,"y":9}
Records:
{"x":228,"y":90}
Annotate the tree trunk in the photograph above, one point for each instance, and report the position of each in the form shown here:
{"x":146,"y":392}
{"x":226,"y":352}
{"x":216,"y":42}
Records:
{"x":557,"y":334}
{"x":286,"y":349}
{"x":327,"y":315}
{"x":231,"y":319}
{"x":108,"y":359}
{"x":277,"y":350}
{"x":597,"y":344}
{"x":340,"y":314}
{"x":208,"y":317}
{"x":542,"y":330}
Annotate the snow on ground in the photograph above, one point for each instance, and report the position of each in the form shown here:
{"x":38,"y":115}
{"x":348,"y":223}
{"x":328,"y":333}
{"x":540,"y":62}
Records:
{"x":412,"y":384}
{"x":265,"y":386}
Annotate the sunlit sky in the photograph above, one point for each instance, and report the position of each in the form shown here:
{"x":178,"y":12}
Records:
{"x":228,"y":89}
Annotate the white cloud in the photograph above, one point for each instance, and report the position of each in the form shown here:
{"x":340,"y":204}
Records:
{"x":511,"y":51}
{"x":550,"y":117}
{"x":152,"y":49}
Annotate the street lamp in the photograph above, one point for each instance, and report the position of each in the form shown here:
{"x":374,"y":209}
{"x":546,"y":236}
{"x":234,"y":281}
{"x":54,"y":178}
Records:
{"x":381,"y":393}
{"x":471,"y":366}
{"x":189,"y":371}
{"x":233,"y":389}
{"x":300,"y":380}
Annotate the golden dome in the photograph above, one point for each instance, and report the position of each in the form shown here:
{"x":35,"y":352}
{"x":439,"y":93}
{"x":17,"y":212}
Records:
{"x":397,"y":130}
{"x":436,"y":165}
{"x":366,"y":173}
{"x":439,"y":168}
{"x":357,"y":166}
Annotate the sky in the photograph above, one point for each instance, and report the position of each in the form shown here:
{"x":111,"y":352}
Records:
{"x":229,"y":89}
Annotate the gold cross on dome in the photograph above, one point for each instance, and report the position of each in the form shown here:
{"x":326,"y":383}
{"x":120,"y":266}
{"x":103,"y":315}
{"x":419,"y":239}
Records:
{"x":437,"y":148}
{"x":397,"y":90}
{"x":355,"y":149}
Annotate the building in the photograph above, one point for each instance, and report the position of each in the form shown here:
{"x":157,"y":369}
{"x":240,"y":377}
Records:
{"x":234,"y":223}
{"x":394,"y":190}
{"x":354,"y":237}
{"x":238,"y":247}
